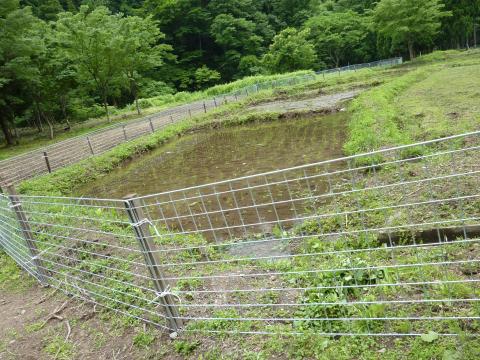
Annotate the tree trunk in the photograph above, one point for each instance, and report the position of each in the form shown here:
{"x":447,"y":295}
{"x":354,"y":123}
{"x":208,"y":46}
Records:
{"x":135,"y":95}
{"x":475,"y":32}
{"x":50,"y":128}
{"x":49,"y":123}
{"x":411,"y":51}
{"x":6,"y":132}
{"x":17,"y":137}
{"x":105,"y":105}
{"x":38,"y":119}
{"x":137,"y":106}
{"x":63,"y":104}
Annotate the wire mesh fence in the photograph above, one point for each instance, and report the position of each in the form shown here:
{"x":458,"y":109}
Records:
{"x":379,"y":244}
{"x":78,"y":148}
{"x":355,"y":67}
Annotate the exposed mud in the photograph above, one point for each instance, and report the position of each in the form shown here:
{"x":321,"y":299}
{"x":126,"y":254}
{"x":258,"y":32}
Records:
{"x":312,"y":104}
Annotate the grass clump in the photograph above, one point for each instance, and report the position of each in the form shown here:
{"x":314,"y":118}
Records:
{"x":374,"y":123}
{"x":143,"y":339}
{"x":11,"y":278}
{"x":59,"y":348}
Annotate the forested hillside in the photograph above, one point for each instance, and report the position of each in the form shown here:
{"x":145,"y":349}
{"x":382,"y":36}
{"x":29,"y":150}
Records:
{"x":69,"y":60}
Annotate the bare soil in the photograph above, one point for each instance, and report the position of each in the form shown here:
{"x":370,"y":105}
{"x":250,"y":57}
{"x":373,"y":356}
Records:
{"x":312,"y":104}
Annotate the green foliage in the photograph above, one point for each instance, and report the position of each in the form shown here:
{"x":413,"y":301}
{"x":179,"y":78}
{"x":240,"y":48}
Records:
{"x":374,"y":121}
{"x":59,"y":348}
{"x":21,"y":43}
{"x":185,"y":348}
{"x":430,"y":337}
{"x":143,"y":339}
{"x":409,"y":22}
{"x":340,"y":37}
{"x":291,"y":50}
{"x":205,"y":77}
{"x":11,"y":278}
{"x":65,"y":58}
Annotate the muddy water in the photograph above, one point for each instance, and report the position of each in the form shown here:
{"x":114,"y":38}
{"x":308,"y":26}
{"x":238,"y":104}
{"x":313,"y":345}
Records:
{"x":216,"y":155}
{"x":235,"y":209}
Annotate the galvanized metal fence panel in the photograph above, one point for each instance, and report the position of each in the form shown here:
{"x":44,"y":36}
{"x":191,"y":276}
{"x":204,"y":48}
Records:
{"x":380,"y":244}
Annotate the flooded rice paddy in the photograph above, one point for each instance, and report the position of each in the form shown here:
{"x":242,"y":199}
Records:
{"x":234,"y":209}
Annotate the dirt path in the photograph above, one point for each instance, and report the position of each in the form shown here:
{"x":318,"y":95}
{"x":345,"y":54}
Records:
{"x":316,"y":103}
{"x":39,"y":323}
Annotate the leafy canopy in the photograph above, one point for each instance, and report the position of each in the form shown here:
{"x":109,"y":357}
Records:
{"x":291,"y":50}
{"x":409,"y":22}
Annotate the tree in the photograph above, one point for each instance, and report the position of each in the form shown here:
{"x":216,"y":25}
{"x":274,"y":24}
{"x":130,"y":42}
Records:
{"x":140,"y":51}
{"x":409,"y":22}
{"x":206,"y":77}
{"x":340,"y":37}
{"x":186,"y":24}
{"x":290,"y":51}
{"x":92,"y":39}
{"x":290,"y":13}
{"x":240,"y":29}
{"x":19,"y":45}
{"x":459,"y":29}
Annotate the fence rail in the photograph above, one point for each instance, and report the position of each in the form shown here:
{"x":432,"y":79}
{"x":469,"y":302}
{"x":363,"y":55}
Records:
{"x":381,"y":244}
{"x":58,"y":155}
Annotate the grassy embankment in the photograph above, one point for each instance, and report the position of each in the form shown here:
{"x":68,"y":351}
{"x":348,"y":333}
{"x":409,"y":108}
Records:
{"x":397,"y":113}
{"x":31,"y":139}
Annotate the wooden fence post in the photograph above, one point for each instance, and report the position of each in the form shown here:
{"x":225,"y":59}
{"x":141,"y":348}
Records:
{"x":47,"y":161}
{"x":151,"y":125}
{"x":125,"y":133}
{"x":27,"y":234}
{"x":147,"y":246}
{"x":90,"y":145}
{"x":204,"y":107}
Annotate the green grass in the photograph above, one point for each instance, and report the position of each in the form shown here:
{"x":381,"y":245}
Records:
{"x":438,"y":97}
{"x":445,"y":103}
{"x":374,"y":118}
{"x":59,"y":349}
{"x":11,"y":278}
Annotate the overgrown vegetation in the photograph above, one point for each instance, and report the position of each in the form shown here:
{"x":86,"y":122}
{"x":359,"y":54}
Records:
{"x":390,"y":114}
{"x":432,"y":101}
{"x":65,"y":61}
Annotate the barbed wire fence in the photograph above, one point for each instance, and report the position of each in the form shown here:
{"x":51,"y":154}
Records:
{"x":75,"y":149}
{"x":380,"y":244}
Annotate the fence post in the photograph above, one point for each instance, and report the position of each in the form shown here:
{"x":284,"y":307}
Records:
{"x":215,"y":101}
{"x":90,"y":145}
{"x":27,"y":233}
{"x":147,"y":246}
{"x":151,"y":125}
{"x":204,"y":107}
{"x":125,"y":133}
{"x":47,"y":161}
